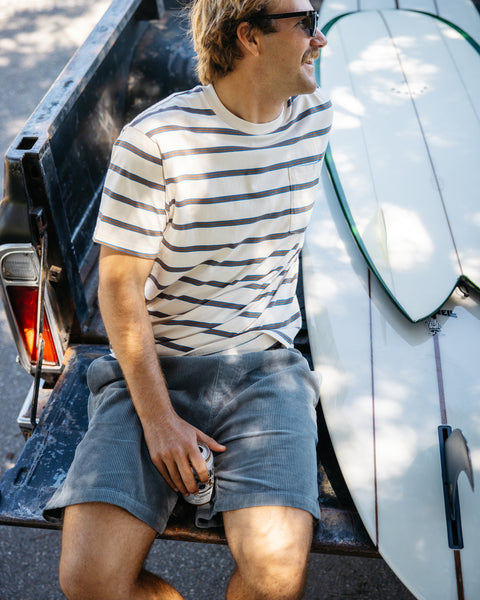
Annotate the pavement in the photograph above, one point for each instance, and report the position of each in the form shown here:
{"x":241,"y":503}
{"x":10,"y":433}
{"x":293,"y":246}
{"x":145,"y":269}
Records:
{"x":37,"y":38}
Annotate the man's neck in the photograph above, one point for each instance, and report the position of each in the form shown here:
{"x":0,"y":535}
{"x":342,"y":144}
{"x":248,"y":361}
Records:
{"x":248,"y":99}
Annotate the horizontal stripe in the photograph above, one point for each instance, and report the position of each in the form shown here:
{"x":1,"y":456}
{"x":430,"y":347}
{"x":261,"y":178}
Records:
{"x":195,"y":130}
{"x":173,"y":109}
{"x":133,"y":203}
{"x":146,"y":182}
{"x":227,"y":131}
{"x":278,"y":325}
{"x":226,"y":263}
{"x":196,"y":301}
{"x":124,"y":249}
{"x":229,"y":149}
{"x":128,"y":226}
{"x":241,"y":263}
{"x":215,"y":247}
{"x":174,"y":345}
{"x":184,"y":322}
{"x":135,"y":150}
{"x":212,"y":329}
{"x":245,"y":172}
{"x":226,"y":305}
{"x":250,"y":195}
{"x":239,"y":222}
{"x":248,"y":281}
{"x":305,"y":114}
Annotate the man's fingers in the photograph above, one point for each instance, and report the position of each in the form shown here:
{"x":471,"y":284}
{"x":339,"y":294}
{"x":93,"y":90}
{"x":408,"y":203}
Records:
{"x":199,"y":466}
{"x":210,"y":442}
{"x":182,"y":476}
{"x":179,"y":479}
{"x":164,"y":473}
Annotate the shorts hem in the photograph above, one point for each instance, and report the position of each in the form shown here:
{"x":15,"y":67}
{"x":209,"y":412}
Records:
{"x":53,"y":513}
{"x":252,"y":500}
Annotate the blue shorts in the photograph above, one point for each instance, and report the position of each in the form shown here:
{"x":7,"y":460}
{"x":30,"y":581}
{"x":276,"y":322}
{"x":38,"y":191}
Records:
{"x":260,"y":405}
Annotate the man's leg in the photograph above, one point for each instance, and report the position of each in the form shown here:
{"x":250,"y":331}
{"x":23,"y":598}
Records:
{"x":103,"y":551}
{"x":270,"y":545}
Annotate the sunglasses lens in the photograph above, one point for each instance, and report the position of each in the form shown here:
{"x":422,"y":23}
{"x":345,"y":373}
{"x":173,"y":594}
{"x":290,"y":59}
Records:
{"x":313,"y":23}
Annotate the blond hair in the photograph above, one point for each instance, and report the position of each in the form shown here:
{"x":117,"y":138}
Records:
{"x":213,"y":28}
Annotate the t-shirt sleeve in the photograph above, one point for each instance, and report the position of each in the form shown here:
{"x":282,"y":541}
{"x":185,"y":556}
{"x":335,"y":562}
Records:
{"x":132,"y":213}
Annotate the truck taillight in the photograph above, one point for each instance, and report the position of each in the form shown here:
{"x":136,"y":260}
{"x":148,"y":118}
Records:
{"x":23,"y":300}
{"x":20,"y":280}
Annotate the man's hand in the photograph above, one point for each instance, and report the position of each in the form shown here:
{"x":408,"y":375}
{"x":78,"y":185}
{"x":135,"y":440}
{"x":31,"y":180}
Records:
{"x":173,"y":447}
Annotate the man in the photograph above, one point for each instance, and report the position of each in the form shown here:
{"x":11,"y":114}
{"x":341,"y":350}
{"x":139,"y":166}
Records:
{"x":202,"y":220}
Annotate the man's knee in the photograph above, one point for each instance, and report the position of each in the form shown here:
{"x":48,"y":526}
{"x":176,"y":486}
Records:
{"x":82,"y":576}
{"x":272,"y":559}
{"x":103,"y":550}
{"x":77,"y":577}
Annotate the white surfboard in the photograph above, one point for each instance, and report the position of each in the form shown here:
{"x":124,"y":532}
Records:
{"x":405,"y":150}
{"x":387,"y":386}
{"x":391,"y":387}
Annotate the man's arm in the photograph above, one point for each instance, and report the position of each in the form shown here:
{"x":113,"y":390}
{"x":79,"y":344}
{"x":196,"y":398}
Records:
{"x":171,"y":441}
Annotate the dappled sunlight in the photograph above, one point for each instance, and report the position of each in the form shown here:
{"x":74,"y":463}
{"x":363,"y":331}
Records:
{"x":33,"y":33}
{"x":335,"y":380}
{"x":475,"y":457}
{"x":38,"y":38}
{"x":330,"y":287}
{"x":471,"y":264}
{"x":399,"y":450}
{"x":409,"y":242}
{"x":333,"y":8}
{"x":449,"y":32}
{"x":348,"y":108}
{"x":326,"y":238}
{"x":388,"y":86}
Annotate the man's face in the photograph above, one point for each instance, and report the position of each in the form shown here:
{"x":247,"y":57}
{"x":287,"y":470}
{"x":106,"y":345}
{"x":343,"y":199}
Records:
{"x":291,"y":50}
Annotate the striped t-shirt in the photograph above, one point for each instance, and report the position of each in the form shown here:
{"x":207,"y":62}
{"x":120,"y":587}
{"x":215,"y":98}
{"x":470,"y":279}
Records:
{"x":221,"y":204}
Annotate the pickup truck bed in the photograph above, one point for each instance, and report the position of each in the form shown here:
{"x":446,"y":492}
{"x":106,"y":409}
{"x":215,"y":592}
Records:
{"x":26,"y":487}
{"x":137,"y":54}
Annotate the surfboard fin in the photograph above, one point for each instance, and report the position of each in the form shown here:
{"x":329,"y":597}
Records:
{"x":455,"y":458}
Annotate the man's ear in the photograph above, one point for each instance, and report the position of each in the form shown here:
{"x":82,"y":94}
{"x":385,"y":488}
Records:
{"x":248,"y":38}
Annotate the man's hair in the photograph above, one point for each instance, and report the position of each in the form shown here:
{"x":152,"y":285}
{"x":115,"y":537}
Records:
{"x":213,"y":27}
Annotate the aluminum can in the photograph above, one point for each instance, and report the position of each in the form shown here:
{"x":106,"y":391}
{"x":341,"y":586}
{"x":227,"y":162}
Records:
{"x":205,"y":489}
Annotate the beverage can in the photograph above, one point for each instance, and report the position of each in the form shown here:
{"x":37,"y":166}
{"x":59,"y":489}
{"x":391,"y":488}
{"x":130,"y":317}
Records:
{"x":205,"y":489}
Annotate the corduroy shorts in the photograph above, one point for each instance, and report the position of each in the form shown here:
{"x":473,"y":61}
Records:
{"x":260,"y":405}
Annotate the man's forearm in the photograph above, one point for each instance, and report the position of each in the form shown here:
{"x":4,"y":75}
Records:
{"x":130,"y":333}
{"x":171,"y":441}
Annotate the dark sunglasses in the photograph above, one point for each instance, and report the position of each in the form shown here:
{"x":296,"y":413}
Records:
{"x":311,"y":19}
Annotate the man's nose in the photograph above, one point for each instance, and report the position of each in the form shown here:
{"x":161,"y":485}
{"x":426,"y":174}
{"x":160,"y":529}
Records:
{"x":318,"y":40}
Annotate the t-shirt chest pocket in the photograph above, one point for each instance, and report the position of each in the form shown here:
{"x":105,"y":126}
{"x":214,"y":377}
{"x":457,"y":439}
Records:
{"x":303,"y":181}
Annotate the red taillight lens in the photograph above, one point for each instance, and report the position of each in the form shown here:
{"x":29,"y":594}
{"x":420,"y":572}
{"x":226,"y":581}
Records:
{"x":23,"y":300}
